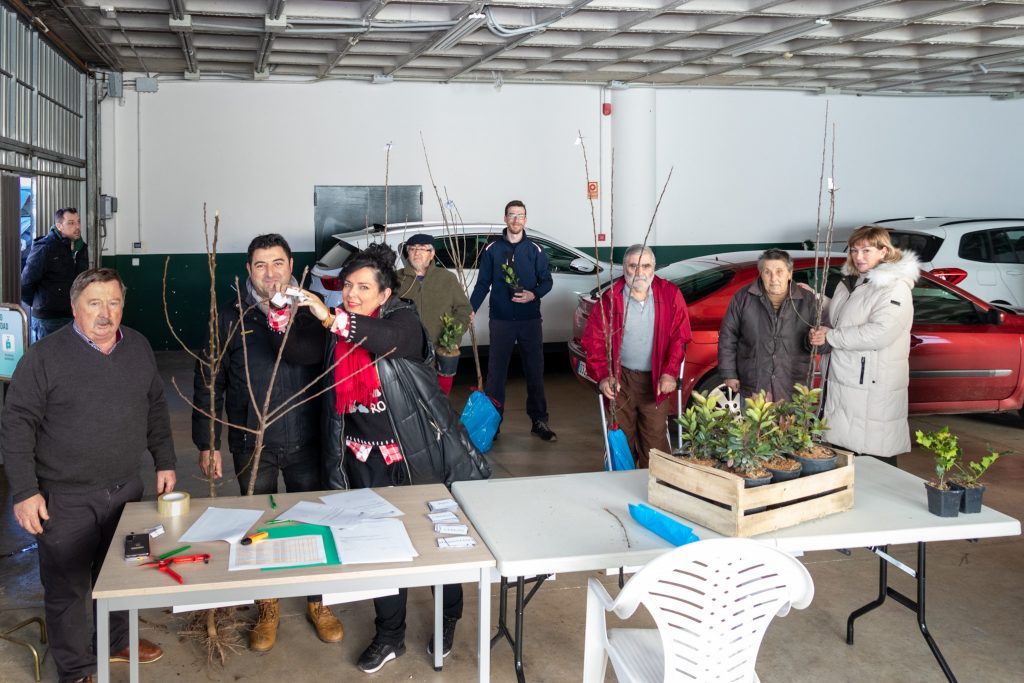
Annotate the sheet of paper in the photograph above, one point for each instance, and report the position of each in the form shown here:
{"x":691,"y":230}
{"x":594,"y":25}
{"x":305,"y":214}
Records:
{"x":456,"y":542}
{"x":445,"y":517}
{"x":356,"y":596}
{"x":318,"y":513}
{"x":291,"y":551}
{"x":209,"y":605}
{"x":366,"y":501}
{"x":375,"y":540}
{"x":444,"y":504}
{"x":221,"y":524}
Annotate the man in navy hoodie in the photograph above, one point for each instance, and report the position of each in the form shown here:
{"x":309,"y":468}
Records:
{"x":515,"y":271}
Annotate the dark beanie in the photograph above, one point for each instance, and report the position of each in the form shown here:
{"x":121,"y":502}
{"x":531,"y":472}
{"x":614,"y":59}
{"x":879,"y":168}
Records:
{"x":420,"y":239}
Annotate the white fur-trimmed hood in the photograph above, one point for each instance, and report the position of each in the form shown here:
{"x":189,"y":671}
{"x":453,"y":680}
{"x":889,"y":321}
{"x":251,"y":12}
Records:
{"x":908,"y":269}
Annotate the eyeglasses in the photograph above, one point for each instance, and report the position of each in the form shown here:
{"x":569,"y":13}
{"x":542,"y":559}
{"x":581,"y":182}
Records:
{"x":421,"y":249}
{"x":516,"y":216}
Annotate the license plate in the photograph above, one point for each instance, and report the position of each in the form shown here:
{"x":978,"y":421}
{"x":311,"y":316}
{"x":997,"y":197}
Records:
{"x":581,"y":369}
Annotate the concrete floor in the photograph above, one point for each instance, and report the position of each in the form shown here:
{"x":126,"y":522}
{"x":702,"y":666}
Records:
{"x":975,"y":597}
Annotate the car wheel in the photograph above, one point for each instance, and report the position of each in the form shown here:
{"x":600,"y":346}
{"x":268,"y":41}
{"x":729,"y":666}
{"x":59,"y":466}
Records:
{"x":708,"y":382}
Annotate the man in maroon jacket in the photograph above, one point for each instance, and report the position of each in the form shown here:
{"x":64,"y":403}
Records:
{"x":644,"y":319}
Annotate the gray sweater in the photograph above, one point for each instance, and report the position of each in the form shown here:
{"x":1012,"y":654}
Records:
{"x":76,"y":419}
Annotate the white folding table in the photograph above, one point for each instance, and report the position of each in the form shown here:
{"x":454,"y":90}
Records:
{"x":538,"y":526}
{"x":123,"y":586}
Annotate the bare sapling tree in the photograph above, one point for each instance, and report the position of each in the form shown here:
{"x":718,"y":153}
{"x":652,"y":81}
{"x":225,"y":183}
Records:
{"x":458,"y":248}
{"x":823,"y":248}
{"x":216,"y":630}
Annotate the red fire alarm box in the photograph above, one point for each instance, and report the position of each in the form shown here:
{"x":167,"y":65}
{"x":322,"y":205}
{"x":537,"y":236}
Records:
{"x":592,"y":189}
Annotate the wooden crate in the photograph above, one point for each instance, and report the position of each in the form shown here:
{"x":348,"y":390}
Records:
{"x":718,"y":500}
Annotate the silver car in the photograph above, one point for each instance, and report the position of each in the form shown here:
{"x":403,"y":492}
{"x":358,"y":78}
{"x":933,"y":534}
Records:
{"x":572,"y":271}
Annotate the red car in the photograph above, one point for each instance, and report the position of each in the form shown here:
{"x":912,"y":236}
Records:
{"x":965,"y":355}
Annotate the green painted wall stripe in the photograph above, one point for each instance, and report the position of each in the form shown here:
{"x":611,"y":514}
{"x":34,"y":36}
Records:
{"x":188,"y":285}
{"x":188,"y":292}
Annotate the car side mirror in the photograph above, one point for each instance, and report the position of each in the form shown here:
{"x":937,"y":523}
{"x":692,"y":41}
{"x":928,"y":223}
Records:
{"x":582,"y":265}
{"x":993,"y":316}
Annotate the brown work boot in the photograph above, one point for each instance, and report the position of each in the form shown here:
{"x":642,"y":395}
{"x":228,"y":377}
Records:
{"x":328,"y":627}
{"x":264,"y":631}
{"x":148,"y":652}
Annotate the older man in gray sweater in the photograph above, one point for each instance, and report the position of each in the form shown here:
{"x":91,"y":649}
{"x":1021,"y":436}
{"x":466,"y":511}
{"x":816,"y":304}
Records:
{"x":84,"y":404}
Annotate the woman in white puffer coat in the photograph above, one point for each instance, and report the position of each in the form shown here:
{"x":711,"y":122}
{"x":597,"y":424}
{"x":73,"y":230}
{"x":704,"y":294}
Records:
{"x":868,"y":344}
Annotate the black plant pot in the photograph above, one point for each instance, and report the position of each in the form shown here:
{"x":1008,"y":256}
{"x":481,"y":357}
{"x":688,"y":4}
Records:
{"x":784,"y":475}
{"x":447,"y":365}
{"x":943,"y":503}
{"x":515,"y":290}
{"x":970,"y":502}
{"x":751,"y":482}
{"x":811,"y":466}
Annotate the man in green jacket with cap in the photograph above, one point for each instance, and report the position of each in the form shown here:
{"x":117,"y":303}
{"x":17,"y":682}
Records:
{"x":436,"y":292}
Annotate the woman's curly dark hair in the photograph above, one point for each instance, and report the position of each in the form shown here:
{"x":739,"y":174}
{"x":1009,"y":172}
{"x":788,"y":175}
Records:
{"x":380,"y":258}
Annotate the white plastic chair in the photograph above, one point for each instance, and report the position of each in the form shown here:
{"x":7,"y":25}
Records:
{"x":712,"y":602}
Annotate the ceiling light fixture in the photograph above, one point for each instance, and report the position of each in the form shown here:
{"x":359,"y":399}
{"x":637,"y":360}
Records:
{"x":777,"y":37}
{"x":469,"y":24}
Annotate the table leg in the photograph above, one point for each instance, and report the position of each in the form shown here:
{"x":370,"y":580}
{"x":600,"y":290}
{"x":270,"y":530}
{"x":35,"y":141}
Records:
{"x":102,"y":642}
{"x":438,"y":644}
{"x":484,"y":617}
{"x":517,"y":644}
{"x":918,"y":606}
{"x":522,"y":599}
{"x":133,"y":645}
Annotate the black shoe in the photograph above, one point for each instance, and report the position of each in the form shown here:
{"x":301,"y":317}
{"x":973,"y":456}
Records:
{"x":379,"y":654}
{"x":541,"y":429}
{"x":447,"y":638}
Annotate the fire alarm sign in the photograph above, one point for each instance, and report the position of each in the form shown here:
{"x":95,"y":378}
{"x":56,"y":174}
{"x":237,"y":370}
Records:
{"x":592,"y":189}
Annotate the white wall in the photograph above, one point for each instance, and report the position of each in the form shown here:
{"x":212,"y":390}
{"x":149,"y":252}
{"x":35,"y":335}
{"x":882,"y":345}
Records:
{"x":255,"y":151}
{"x":746,"y":163}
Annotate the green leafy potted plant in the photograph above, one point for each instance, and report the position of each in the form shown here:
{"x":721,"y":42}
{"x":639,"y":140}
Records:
{"x":781,"y":467}
{"x":966,"y":480}
{"x":703,"y":434}
{"x":751,"y":440}
{"x":805,"y":431}
{"x":511,"y":279}
{"x":943,"y":500}
{"x":448,"y":345}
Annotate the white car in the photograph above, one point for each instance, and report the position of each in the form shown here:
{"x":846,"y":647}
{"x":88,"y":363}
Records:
{"x":984,"y":256}
{"x":572,"y":271}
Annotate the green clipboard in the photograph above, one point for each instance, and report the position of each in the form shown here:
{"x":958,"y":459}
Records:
{"x":305,"y":530}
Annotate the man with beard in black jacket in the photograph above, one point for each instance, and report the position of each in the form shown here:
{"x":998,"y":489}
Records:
{"x":291,"y":445}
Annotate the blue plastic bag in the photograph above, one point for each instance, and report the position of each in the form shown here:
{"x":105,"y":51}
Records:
{"x":673,"y":531}
{"x":619,"y":455}
{"x":481,"y":420}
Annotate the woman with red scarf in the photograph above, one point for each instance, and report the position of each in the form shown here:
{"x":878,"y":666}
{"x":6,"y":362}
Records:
{"x":388,"y":422}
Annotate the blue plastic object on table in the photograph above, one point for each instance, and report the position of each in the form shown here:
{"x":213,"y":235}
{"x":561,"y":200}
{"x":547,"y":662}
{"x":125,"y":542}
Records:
{"x":671,"y":530}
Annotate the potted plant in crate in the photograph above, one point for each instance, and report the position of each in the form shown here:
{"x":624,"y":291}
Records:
{"x":448,"y":345}
{"x":805,"y":430}
{"x":781,"y":467}
{"x":703,"y":434}
{"x":966,"y":480}
{"x":511,"y":279}
{"x":943,"y":500}
{"x":751,"y":440}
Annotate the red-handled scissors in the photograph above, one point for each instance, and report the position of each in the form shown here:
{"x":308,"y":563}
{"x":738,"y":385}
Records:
{"x":165,"y":565}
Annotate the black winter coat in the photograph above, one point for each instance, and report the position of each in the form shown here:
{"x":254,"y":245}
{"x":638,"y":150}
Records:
{"x":50,"y":269}
{"x":300,"y":427}
{"x":435,"y":446}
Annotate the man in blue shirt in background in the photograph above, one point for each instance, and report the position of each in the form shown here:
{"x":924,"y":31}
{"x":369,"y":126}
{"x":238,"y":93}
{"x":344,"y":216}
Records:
{"x":515,"y":271}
